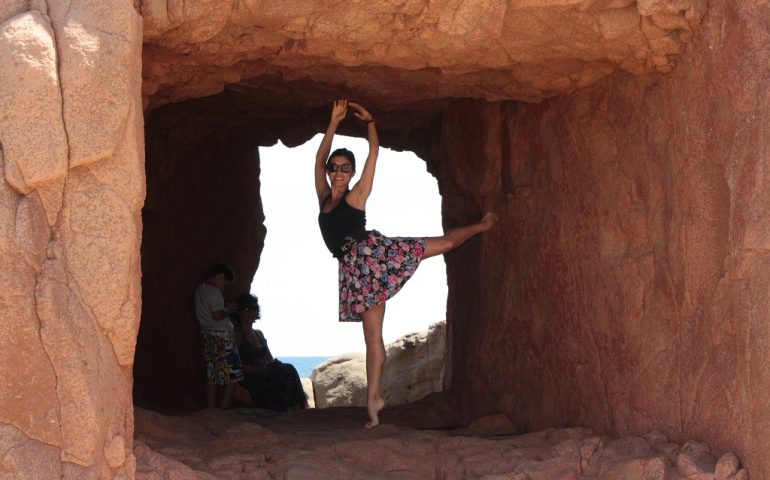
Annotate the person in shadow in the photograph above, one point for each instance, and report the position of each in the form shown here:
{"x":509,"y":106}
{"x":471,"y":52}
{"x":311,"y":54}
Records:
{"x":223,"y":364}
{"x":271,"y":384}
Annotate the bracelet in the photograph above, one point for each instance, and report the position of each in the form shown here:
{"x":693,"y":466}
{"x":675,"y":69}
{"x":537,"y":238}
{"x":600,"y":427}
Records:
{"x":371,"y":120}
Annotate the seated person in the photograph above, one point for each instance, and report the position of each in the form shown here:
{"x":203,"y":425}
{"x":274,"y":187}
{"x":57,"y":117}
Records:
{"x":223,"y":365}
{"x":271,"y":384}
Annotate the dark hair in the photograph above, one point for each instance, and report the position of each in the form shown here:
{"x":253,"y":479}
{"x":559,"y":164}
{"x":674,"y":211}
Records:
{"x":343,"y":152}
{"x":250,"y":301}
{"x":222,"y":268}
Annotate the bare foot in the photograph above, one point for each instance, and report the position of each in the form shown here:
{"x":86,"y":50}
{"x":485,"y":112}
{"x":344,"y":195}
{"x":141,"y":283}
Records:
{"x":488,"y":221}
{"x":373,"y":407}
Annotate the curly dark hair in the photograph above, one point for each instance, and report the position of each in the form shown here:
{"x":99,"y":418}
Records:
{"x":248,"y":301}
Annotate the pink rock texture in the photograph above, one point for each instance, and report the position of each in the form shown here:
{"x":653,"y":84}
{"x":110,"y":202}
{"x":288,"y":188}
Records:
{"x":634,"y":227}
{"x":411,"y":50}
{"x":625,"y":288}
{"x":329,"y":443}
{"x":72,"y":158}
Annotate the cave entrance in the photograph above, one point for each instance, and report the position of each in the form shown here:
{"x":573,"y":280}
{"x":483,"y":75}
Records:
{"x":405,"y":201}
{"x":204,"y":205}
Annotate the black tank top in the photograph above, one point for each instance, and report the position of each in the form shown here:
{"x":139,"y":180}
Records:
{"x":342,"y":226}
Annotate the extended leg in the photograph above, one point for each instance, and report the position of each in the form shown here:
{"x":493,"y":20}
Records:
{"x":375,"y":359}
{"x":457,"y":236}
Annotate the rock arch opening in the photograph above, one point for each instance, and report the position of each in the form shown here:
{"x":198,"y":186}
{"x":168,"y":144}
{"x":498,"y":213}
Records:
{"x":296,"y":262}
{"x":562,"y":117}
{"x":630,"y":291}
{"x":203,"y":169}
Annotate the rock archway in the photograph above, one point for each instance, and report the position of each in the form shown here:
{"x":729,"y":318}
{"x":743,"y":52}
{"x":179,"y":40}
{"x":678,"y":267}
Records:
{"x":623,"y":143}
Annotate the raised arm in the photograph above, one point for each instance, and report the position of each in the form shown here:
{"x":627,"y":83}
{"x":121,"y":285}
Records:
{"x":339,"y":110}
{"x":361,"y":190}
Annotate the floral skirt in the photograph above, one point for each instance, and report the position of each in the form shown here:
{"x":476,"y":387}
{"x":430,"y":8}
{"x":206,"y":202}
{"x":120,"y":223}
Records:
{"x":374,"y":270}
{"x":223,"y":364}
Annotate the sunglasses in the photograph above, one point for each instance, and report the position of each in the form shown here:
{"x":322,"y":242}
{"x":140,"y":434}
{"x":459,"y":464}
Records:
{"x":345,"y":168}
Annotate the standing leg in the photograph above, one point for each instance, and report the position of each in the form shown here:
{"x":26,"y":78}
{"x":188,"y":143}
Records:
{"x":211,"y":395}
{"x":457,"y":236}
{"x":375,"y":359}
{"x":227,"y":395}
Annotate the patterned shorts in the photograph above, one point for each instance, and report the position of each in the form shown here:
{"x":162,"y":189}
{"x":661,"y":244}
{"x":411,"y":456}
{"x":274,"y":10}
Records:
{"x":374,"y":270}
{"x":223,"y":364}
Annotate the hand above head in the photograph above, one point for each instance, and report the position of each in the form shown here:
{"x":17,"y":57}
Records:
{"x":361,"y":112}
{"x":339,"y":110}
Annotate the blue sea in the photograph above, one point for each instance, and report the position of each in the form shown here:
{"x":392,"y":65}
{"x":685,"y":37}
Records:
{"x":304,"y":365}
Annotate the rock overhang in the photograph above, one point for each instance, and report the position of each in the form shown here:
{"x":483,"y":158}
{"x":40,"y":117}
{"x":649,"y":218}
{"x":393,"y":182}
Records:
{"x":407,"y":55}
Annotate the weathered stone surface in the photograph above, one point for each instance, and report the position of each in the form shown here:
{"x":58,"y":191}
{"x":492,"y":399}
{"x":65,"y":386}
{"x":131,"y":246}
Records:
{"x":635,"y":220}
{"x":24,"y":457}
{"x":31,"y":126}
{"x":727,"y":466}
{"x":28,"y":378}
{"x":11,"y":8}
{"x":307,"y":386}
{"x":414,"y":365}
{"x":669,"y":450}
{"x":628,"y":457}
{"x":98,"y":50}
{"x":650,"y":468}
{"x":741,"y":475}
{"x":330,"y":443}
{"x":340,"y":381}
{"x":156,"y":466}
{"x":491,"y":425}
{"x":397,"y":53}
{"x":413,"y":370}
{"x":70,"y":238}
{"x":694,"y":458}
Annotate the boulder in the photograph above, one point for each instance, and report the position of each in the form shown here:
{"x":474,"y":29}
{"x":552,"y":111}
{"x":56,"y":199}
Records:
{"x":413,"y":369}
{"x":307,"y":386}
{"x":415,"y":365}
{"x":340,"y":381}
{"x":694,"y":458}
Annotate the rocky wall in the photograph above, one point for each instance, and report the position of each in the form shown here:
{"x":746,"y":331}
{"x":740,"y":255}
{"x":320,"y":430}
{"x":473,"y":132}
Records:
{"x":72,"y":159}
{"x":202,"y":208}
{"x":406,"y":50}
{"x":635,"y":249}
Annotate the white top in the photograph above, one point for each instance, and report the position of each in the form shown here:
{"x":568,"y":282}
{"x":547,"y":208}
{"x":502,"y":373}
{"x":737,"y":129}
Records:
{"x":208,"y":299}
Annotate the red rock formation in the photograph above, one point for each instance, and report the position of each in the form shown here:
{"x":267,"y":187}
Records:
{"x":634,"y":235}
{"x":71,"y":154}
{"x":625,"y":289}
{"x":407,"y":50}
{"x":330,"y":444}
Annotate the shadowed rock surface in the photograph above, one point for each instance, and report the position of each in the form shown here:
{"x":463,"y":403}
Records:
{"x":413,"y":370}
{"x":416,"y":442}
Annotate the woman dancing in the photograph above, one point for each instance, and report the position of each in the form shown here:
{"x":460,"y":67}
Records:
{"x":372,"y":267}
